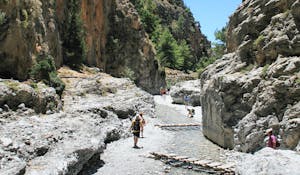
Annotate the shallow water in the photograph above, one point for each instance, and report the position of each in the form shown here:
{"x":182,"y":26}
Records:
{"x":189,"y":141}
{"x":121,"y":159}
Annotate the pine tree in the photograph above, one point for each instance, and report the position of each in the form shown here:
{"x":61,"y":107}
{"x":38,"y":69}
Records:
{"x":73,"y":36}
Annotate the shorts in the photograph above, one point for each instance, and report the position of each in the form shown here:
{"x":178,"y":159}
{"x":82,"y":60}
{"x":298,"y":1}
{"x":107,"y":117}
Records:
{"x":137,"y":134}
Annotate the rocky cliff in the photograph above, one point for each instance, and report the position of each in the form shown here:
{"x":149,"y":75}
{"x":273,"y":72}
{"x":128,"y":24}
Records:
{"x":115,"y":40}
{"x":257,"y":85}
{"x":27,"y":27}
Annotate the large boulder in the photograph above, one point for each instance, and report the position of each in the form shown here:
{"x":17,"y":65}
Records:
{"x":187,"y":88}
{"x":269,"y":161}
{"x":37,"y":96}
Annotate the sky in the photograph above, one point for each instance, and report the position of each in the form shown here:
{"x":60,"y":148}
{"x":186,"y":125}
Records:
{"x":212,"y":14}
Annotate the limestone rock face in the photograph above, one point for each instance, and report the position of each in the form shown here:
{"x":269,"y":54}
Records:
{"x":129,"y":52}
{"x":28,"y":26}
{"x":257,"y":85}
{"x":115,"y":41}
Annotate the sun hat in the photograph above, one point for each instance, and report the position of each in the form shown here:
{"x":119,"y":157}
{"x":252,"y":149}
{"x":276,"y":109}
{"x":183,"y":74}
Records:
{"x":269,"y":130}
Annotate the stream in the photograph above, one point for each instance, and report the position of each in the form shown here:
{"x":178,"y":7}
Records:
{"x":121,"y":159}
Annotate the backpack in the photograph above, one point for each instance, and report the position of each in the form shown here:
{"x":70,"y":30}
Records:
{"x":277,"y":142}
{"x":136,"y":124}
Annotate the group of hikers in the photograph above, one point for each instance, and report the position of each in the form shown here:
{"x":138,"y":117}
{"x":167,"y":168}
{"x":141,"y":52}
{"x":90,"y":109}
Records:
{"x":137,"y":128}
{"x":138,"y":124}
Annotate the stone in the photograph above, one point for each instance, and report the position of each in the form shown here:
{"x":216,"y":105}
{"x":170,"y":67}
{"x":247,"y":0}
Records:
{"x":187,"y":88}
{"x":269,"y":161}
{"x":6,"y":142}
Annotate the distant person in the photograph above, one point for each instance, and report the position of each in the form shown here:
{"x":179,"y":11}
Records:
{"x":271,"y":139}
{"x":143,"y":123}
{"x":162,"y":91}
{"x":191,"y":112}
{"x":136,"y":129}
{"x":186,"y":100}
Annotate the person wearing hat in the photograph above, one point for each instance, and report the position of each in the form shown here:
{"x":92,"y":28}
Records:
{"x":272,"y":139}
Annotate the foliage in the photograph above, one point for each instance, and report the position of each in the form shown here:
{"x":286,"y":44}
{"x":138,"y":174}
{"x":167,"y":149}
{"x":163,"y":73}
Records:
{"x":220,"y":47}
{"x":3,"y":2}
{"x":183,"y":56}
{"x":74,"y":46}
{"x":264,"y":70}
{"x":12,"y":85}
{"x":44,"y":70}
{"x":178,"y":26}
{"x":258,"y":41}
{"x":205,"y":61}
{"x":129,"y":73}
{"x":166,"y":49}
{"x":24,"y":18}
{"x":218,"y":50}
{"x":247,"y":68}
{"x":2,"y":17}
{"x":172,"y":53}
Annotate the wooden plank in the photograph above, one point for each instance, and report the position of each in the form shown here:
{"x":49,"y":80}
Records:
{"x":203,"y":162}
{"x":214,"y":164}
{"x":192,"y":160}
{"x":180,"y":157}
{"x":207,"y":164}
{"x":178,"y":125}
{"x":226,"y":166}
{"x":173,"y":155}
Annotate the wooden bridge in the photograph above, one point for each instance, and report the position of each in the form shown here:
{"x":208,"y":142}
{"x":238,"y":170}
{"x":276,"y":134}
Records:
{"x":209,"y":166}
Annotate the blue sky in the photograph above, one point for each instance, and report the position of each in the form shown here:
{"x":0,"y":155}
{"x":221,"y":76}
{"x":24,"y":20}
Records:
{"x":212,"y":14}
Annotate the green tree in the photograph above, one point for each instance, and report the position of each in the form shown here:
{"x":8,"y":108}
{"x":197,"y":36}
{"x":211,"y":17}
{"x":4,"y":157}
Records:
{"x":218,"y":50}
{"x":73,"y":36}
{"x":220,"y":46}
{"x":166,"y":49}
{"x":184,"y":56}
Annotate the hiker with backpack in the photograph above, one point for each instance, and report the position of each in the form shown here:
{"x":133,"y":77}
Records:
{"x":272,"y":140}
{"x":136,"y":129}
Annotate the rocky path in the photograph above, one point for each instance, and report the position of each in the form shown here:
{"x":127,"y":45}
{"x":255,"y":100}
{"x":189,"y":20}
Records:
{"x":121,"y":158}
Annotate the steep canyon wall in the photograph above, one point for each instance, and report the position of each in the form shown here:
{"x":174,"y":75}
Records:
{"x":115,"y":40}
{"x":257,"y":85}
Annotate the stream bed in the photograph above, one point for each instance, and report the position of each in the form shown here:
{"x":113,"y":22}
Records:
{"x":121,"y":159}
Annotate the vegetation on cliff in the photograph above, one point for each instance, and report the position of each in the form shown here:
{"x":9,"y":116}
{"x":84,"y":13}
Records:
{"x":218,"y":50}
{"x":45,"y":70}
{"x":169,"y":26}
{"x":74,"y":51}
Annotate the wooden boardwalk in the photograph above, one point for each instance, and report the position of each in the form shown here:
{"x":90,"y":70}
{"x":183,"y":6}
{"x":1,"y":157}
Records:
{"x":196,"y":164}
{"x":178,"y":125}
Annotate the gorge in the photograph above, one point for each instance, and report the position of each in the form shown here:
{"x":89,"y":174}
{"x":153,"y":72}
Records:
{"x":73,"y":74}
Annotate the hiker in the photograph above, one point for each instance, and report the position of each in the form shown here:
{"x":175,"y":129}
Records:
{"x":186,"y":100}
{"x":143,"y":121}
{"x":272,"y":139}
{"x":191,"y":112}
{"x":136,"y":128}
{"x":162,"y":91}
